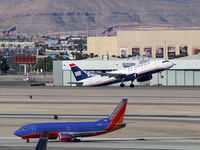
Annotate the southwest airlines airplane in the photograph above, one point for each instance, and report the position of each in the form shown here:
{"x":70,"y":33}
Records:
{"x":69,"y":131}
{"x":141,"y":72}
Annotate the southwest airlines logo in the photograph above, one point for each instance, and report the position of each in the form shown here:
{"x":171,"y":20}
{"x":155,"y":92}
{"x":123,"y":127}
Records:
{"x":78,"y":73}
{"x":116,"y":110}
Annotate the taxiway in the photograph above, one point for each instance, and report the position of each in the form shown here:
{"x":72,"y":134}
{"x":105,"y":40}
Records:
{"x":157,"y":117}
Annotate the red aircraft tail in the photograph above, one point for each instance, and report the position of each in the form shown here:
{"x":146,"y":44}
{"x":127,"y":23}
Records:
{"x":117,"y":116}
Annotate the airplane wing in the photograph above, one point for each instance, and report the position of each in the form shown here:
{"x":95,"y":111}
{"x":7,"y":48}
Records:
{"x":42,"y":143}
{"x":116,"y":75}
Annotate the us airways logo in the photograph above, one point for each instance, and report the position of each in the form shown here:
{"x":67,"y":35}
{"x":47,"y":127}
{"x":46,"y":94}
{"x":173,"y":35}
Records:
{"x":78,"y":73}
{"x":115,"y":112}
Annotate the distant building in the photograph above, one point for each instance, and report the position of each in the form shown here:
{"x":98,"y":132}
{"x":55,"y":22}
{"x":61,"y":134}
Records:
{"x":12,"y":45}
{"x":156,"y":43}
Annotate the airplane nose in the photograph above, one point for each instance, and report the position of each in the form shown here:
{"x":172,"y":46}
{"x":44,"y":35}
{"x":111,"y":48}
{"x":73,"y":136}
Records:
{"x":17,"y":133}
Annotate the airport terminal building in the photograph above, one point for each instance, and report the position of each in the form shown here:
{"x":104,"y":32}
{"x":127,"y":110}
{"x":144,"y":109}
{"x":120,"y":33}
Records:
{"x":186,"y":72}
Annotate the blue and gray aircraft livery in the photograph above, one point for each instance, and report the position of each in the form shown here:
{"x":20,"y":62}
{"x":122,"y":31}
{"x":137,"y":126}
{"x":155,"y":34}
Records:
{"x":142,"y":72}
{"x":70,"y":131}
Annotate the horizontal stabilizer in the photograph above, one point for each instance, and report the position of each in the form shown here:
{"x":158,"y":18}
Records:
{"x":76,"y":83}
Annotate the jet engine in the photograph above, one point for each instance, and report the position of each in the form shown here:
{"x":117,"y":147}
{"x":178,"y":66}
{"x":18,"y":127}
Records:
{"x":144,"y":78}
{"x":65,"y":137}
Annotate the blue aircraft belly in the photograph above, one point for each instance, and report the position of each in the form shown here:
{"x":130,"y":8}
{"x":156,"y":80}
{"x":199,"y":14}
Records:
{"x":127,"y":78}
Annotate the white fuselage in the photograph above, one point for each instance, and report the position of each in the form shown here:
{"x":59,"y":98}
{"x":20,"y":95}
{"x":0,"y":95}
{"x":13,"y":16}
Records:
{"x":148,"y":67}
{"x":97,"y":80}
{"x":112,"y":77}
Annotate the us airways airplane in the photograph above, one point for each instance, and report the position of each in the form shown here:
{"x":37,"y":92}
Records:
{"x":141,"y":72}
{"x":69,"y":131}
{"x":98,"y":80}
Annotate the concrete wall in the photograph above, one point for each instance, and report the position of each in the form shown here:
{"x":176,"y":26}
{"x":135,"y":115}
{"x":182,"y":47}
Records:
{"x":177,"y":78}
{"x":101,"y":45}
{"x":58,"y":73}
{"x":146,"y":39}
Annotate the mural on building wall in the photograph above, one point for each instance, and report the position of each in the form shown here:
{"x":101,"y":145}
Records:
{"x":195,"y":50}
{"x":160,"y":52}
{"x":183,"y":50}
{"x":124,"y":52}
{"x":135,"y":51}
{"x":171,"y":51}
{"x":148,"y":52}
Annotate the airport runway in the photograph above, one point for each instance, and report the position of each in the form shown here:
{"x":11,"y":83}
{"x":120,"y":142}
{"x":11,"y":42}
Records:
{"x":157,"y":117}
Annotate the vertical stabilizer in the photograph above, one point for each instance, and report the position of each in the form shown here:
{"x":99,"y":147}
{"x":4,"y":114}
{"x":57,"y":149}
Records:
{"x":78,"y":73}
{"x":117,"y":116}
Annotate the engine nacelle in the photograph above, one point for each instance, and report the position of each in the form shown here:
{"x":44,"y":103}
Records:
{"x":144,"y":78}
{"x":65,"y":137}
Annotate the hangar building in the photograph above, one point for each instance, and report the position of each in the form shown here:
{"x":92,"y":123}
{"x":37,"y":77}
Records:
{"x":186,"y":72}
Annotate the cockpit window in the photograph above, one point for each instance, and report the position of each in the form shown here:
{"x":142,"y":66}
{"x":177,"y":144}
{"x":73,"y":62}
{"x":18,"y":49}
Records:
{"x":165,"y":61}
{"x":23,"y":129}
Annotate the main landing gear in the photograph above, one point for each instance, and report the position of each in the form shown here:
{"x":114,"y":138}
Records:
{"x":161,"y":76}
{"x":122,"y":85}
{"x":131,"y":85}
{"x":76,"y":140}
{"x":27,"y":140}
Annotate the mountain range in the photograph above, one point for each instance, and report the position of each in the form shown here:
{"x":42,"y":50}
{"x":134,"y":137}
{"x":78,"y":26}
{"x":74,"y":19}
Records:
{"x":48,"y":16}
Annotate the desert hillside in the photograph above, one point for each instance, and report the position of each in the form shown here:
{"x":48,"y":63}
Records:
{"x":65,"y":15}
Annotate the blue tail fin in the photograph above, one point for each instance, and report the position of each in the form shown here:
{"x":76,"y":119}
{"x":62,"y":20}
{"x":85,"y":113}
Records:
{"x":78,"y":73}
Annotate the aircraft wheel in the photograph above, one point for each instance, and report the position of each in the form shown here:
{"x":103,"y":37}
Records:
{"x":76,"y":140}
{"x":27,"y":141}
{"x":122,"y":85}
{"x":132,"y":85}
